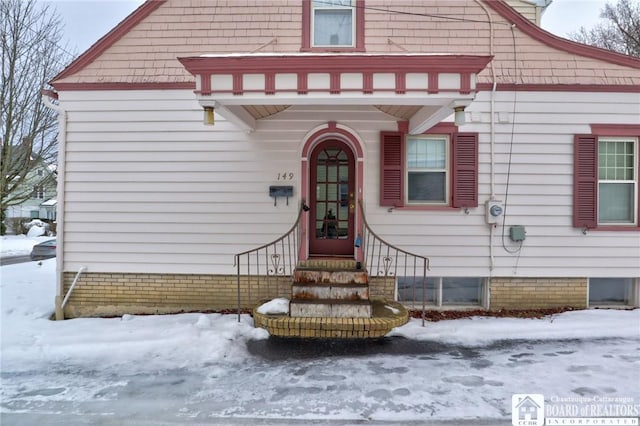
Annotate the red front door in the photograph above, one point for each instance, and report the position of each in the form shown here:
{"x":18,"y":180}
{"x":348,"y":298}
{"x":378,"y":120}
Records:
{"x":332,"y":199}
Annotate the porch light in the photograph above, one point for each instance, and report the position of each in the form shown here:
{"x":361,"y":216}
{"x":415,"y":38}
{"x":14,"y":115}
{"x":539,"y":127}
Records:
{"x":208,"y":116}
{"x":459,"y":116}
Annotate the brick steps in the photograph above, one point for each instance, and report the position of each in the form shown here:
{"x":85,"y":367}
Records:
{"x":330,"y":299}
{"x":382,"y":320}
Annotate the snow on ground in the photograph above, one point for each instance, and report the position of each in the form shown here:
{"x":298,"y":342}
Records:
{"x":210,"y":369}
{"x":17,"y":245}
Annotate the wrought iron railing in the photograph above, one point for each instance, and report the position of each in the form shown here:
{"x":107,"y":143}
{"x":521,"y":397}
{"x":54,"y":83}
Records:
{"x":267,"y":271}
{"x":384,"y":260}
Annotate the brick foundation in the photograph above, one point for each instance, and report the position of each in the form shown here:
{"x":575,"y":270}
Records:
{"x":538,"y":293}
{"x":115,"y":294}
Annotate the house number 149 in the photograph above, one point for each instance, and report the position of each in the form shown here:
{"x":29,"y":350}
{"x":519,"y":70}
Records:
{"x":285,"y":176}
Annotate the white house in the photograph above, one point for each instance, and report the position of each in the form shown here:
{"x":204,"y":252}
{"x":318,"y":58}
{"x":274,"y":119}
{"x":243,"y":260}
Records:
{"x":456,"y":131}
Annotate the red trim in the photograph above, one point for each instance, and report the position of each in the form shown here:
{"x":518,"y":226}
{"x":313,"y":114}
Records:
{"x":334,"y":63}
{"x":306,"y":25}
{"x":302,"y":86}
{"x":303,"y":83}
{"x":304,"y":179}
{"x":616,"y":129}
{"x":125,"y":86}
{"x":49,"y":93}
{"x":205,"y":84}
{"x":556,"y":42}
{"x":444,"y":127}
{"x":306,"y":31}
{"x":109,"y":39}
{"x":269,"y":83}
{"x":334,"y":83}
{"x":403,"y":126}
{"x":401,"y":82}
{"x":367,"y":82}
{"x":622,"y":88}
{"x":465,"y":83}
{"x":432,"y":82}
{"x":329,"y":132}
{"x":237,"y":84}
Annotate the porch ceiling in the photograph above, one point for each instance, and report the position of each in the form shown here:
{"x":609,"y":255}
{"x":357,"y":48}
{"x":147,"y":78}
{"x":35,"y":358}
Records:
{"x":401,"y":112}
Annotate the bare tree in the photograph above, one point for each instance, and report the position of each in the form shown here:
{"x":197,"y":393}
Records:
{"x":31,"y":56}
{"x":619,"y":32}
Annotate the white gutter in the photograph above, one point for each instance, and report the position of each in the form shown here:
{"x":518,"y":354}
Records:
{"x":47,"y":96}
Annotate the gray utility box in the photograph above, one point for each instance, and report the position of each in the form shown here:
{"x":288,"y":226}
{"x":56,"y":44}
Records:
{"x":517,"y":233}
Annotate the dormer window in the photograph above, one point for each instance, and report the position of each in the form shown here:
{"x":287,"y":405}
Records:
{"x":333,"y":25}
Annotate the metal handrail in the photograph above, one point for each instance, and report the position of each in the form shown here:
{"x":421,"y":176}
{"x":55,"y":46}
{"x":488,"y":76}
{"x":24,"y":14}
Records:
{"x":383,"y":259}
{"x":278,"y":258}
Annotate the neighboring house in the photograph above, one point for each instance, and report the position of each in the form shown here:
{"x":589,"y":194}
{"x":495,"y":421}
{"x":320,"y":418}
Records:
{"x":505,"y":154}
{"x":39,"y":193}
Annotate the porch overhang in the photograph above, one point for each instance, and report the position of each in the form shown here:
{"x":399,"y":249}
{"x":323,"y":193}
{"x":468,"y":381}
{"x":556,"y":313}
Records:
{"x":422,"y":89}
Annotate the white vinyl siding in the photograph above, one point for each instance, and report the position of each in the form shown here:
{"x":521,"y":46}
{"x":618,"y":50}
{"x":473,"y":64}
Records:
{"x":149,"y":188}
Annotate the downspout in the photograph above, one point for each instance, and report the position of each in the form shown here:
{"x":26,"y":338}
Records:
{"x":492,"y":131}
{"x":47,"y":95}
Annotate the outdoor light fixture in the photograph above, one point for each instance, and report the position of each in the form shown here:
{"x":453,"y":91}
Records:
{"x":459,"y":115}
{"x":208,"y":116}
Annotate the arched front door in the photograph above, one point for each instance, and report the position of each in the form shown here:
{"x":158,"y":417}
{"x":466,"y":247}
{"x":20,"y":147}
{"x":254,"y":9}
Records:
{"x":332,"y":197}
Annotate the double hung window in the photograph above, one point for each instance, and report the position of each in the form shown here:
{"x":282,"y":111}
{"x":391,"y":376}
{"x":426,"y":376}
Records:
{"x":427,"y":170}
{"x":437,"y":169}
{"x":606,"y":183}
{"x":617,"y":181}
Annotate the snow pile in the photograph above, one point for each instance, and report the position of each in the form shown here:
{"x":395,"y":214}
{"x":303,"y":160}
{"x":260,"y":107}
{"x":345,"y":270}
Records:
{"x":482,"y":331}
{"x":274,"y":307}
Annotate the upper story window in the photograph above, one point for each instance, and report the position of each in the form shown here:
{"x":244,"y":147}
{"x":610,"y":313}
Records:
{"x":606,"y":182}
{"x":617,"y":181}
{"x":333,"y":25}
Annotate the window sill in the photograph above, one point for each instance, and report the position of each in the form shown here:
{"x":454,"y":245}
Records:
{"x":620,"y":306}
{"x":332,"y":49}
{"x":425,"y":207}
{"x":432,"y":307}
{"x":625,"y":228}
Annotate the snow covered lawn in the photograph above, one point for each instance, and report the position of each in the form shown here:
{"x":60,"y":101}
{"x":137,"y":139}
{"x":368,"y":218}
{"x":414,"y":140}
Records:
{"x":210,"y":369}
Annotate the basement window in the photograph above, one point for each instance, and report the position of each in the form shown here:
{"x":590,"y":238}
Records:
{"x":613,"y":292}
{"x":442,"y":291}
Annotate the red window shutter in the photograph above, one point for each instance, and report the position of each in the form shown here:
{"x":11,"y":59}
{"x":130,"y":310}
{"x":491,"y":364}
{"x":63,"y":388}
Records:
{"x":392,"y":169}
{"x":585,"y":181}
{"x":465,"y":170}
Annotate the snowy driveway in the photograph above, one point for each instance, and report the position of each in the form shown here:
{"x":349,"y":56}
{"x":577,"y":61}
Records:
{"x":419,"y":382}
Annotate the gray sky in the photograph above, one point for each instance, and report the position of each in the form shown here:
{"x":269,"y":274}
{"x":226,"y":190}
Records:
{"x":85,"y":21}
